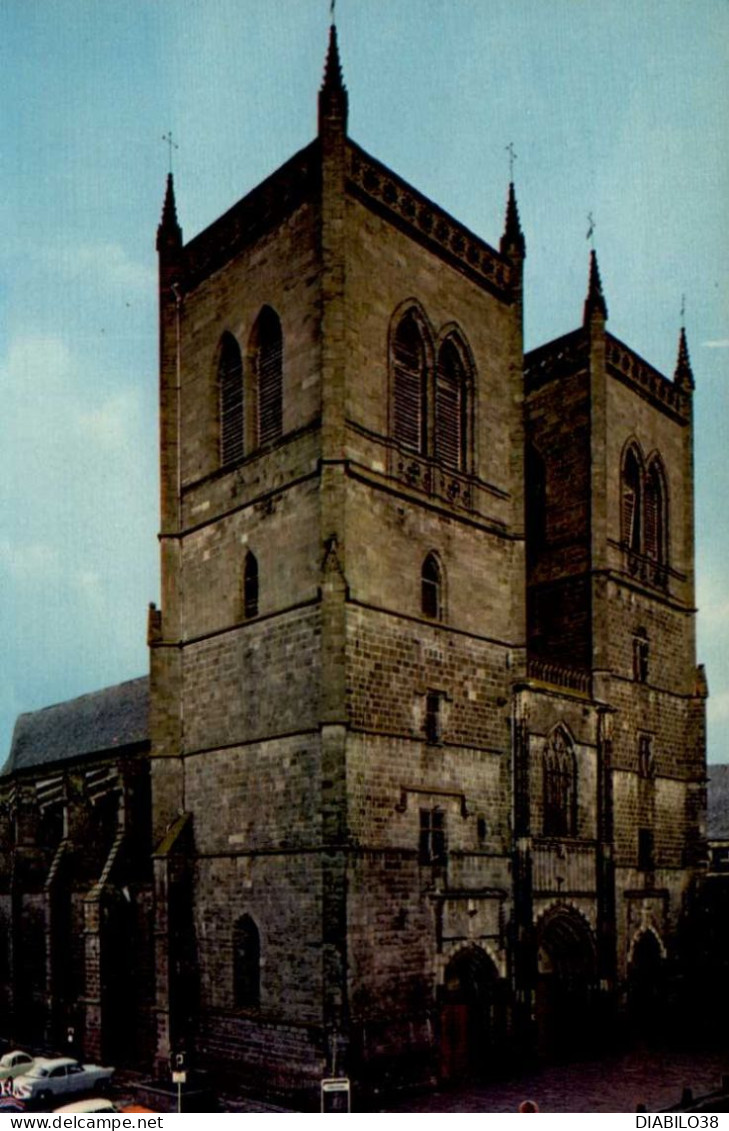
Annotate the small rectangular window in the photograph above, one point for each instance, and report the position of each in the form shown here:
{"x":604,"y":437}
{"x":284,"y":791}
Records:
{"x":646,"y":765}
{"x":432,"y":842}
{"x":645,"y":850}
{"x":433,"y":720}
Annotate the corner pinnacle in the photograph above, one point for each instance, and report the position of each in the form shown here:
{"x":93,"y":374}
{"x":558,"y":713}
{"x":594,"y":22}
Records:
{"x":595,"y":302}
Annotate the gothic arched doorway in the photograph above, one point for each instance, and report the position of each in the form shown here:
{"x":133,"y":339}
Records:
{"x":472,"y":1016}
{"x":646,"y":985}
{"x":565,"y":985}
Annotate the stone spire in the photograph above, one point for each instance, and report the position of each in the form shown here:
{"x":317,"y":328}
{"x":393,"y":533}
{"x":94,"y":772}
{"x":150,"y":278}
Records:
{"x":595,"y":304}
{"x":512,"y":241}
{"x":169,"y":232}
{"x":683,"y":375}
{"x":333,"y":102}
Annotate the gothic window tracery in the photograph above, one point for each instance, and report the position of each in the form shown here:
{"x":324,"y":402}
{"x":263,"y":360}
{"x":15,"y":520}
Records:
{"x":632,"y":501}
{"x":645,"y":515}
{"x":230,"y":393}
{"x":266,"y":364}
{"x":431,"y":396}
{"x":655,"y":512}
{"x":409,"y":384}
{"x":451,"y":399}
{"x":559,"y":772}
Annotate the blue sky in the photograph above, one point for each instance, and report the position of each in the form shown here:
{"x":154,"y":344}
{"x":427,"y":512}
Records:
{"x":616,"y":108}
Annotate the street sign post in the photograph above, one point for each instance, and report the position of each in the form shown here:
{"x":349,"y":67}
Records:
{"x":335,"y":1094}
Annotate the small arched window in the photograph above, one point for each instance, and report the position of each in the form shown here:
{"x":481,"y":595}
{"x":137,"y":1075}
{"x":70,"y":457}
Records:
{"x":266,"y":355}
{"x":451,"y":401}
{"x":409,"y":376}
{"x":632,"y":501}
{"x":655,"y":513}
{"x":431,"y":588}
{"x":230,"y":394}
{"x":246,"y":963}
{"x":250,"y":586}
{"x":560,"y":786}
{"x":641,"y":655}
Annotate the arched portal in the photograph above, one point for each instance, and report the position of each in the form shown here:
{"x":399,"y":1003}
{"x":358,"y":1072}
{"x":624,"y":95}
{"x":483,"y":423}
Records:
{"x":565,"y":985}
{"x":472,"y":1016}
{"x":646,"y":985}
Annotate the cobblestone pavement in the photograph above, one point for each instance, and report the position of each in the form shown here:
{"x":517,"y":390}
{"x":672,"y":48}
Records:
{"x":612,"y":1084}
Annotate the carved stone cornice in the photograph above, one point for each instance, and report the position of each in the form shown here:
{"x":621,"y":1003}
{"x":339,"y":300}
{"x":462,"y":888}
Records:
{"x":628,"y":367}
{"x":382,"y":189}
{"x":560,"y":358}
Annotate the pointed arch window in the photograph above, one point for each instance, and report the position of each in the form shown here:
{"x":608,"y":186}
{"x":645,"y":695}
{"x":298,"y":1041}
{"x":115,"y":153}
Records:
{"x":250,"y":586}
{"x":230,"y":393}
{"x":641,"y":656}
{"x":559,"y":773}
{"x":409,"y":365}
{"x":246,"y":963}
{"x":655,"y":513}
{"x":632,"y":501}
{"x":450,"y":406}
{"x":431,"y":588}
{"x":267,"y":370}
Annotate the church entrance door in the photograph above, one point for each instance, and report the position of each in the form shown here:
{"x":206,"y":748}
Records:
{"x":471,"y":1017}
{"x":565,"y":986}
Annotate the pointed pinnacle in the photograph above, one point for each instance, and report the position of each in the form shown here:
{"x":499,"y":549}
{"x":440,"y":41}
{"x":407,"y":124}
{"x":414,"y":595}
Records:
{"x":595,"y":301}
{"x":333,"y":79}
{"x":169,"y":232}
{"x":513,"y":237}
{"x":683,"y":376}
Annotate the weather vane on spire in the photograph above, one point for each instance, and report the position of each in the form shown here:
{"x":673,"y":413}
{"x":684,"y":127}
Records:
{"x":172,"y":144}
{"x":332,"y":11}
{"x":683,"y":310}
{"x":591,"y":230}
{"x":512,"y":158}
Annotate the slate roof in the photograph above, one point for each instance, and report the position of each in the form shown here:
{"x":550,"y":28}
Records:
{"x":717,"y":809}
{"x":100,"y":722}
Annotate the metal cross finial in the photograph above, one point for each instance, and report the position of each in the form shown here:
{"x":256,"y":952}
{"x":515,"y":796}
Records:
{"x":332,"y":10}
{"x":172,"y":144}
{"x":591,"y":230}
{"x":512,"y":158}
{"x":683,"y":309}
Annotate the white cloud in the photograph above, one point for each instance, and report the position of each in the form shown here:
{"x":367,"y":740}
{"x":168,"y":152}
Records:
{"x":112,"y":423}
{"x":716,"y":344}
{"x":99,"y":265}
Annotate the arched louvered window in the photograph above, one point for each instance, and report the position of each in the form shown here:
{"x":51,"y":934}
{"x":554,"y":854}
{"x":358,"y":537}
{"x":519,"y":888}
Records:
{"x":560,"y":786}
{"x":246,"y":963}
{"x":654,"y":521}
{"x":450,"y":407}
{"x":408,"y":351}
{"x":230,"y":392}
{"x":431,"y":588}
{"x":250,"y":586}
{"x":267,"y":363}
{"x":632,"y":502}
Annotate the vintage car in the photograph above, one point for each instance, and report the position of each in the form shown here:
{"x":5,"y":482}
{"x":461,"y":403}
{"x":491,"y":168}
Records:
{"x":97,"y":1105}
{"x":15,"y":1063}
{"x":60,"y":1077}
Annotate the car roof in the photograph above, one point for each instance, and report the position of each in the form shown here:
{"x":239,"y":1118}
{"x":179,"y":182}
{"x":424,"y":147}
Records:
{"x":54,"y":1062}
{"x":95,"y":1103}
{"x":16,"y":1052}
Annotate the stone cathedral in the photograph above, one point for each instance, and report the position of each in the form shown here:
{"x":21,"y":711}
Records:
{"x":416,"y":783}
